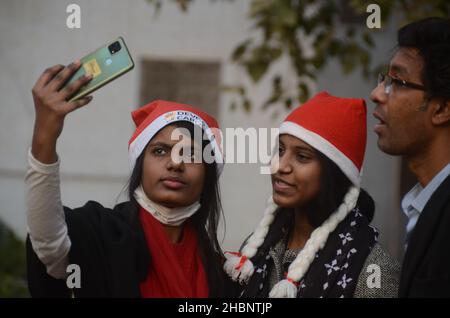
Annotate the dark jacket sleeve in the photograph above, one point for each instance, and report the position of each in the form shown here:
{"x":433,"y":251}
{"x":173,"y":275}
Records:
{"x":83,"y":229}
{"x":40,"y":284}
{"x":111,"y":254}
{"x":425,"y":270}
{"x":432,"y":278}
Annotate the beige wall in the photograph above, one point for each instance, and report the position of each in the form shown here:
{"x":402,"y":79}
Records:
{"x":93,"y":147}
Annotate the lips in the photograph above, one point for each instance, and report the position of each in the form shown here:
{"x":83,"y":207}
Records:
{"x":381,"y":124}
{"x":280,"y":185}
{"x":173,"y":183}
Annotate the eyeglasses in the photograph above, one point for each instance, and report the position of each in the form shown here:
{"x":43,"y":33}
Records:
{"x":388,"y":80}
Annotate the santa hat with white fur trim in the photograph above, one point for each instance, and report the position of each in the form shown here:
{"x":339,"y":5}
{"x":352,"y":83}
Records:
{"x":151,"y":118}
{"x":336,"y":127}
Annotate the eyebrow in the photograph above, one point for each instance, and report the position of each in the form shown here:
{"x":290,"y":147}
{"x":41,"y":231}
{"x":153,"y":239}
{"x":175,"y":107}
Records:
{"x":402,"y":71}
{"x":160,"y":144}
{"x":167,"y":146}
{"x":304,"y":148}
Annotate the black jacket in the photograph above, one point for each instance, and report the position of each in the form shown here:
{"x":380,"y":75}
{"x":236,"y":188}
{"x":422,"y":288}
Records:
{"x":109,"y":247}
{"x":426,"y":266}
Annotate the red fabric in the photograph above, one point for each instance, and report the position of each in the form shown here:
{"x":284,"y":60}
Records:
{"x":341,"y":121}
{"x":176,"y":270}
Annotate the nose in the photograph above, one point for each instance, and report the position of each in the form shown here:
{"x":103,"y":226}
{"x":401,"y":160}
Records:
{"x":284,"y":165}
{"x":378,"y":95}
{"x":175,"y":162}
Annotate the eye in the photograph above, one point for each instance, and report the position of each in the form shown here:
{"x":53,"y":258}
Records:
{"x":191,"y":155}
{"x":398,"y":82}
{"x":159,"y":151}
{"x":303,"y":157}
{"x":280,"y":151}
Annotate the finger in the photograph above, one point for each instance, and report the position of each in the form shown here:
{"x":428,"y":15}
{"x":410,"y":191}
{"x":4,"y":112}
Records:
{"x":73,"y":88}
{"x":71,"y":106}
{"x":48,"y":75}
{"x":58,"y":81}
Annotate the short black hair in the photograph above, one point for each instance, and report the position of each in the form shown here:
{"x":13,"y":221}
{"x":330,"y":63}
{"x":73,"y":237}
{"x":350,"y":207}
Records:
{"x":431,"y":36}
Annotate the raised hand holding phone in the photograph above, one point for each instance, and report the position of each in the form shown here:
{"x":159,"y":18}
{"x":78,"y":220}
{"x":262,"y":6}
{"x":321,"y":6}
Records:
{"x":105,"y":64}
{"x":60,"y":90}
{"x":51,"y":107}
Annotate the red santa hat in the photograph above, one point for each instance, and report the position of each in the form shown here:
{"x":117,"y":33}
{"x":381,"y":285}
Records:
{"x":154,"y":116}
{"x":336,"y":127}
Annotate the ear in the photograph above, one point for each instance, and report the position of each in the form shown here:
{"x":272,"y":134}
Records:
{"x":441,"y":113}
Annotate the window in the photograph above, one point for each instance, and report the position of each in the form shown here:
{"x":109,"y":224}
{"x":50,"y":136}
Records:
{"x":195,"y":83}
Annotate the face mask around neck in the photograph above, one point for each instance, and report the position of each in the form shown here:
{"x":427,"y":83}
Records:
{"x":165,"y":215}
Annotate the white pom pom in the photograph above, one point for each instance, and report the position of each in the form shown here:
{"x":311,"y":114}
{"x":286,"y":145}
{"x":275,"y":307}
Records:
{"x":246,"y":271}
{"x":230,"y":266}
{"x":284,"y":289}
{"x":242,"y":273}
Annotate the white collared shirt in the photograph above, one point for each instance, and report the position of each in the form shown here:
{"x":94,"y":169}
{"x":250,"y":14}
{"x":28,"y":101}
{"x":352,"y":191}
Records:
{"x":415,"y":200}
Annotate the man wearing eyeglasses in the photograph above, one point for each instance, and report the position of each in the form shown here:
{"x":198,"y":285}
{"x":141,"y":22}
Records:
{"x":413,"y":109}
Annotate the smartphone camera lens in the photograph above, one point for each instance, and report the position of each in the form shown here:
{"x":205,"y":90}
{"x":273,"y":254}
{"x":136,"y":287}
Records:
{"x":115,"y":47}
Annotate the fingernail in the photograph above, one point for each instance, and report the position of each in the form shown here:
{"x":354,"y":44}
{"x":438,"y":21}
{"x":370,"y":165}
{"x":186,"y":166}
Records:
{"x":77,"y":62}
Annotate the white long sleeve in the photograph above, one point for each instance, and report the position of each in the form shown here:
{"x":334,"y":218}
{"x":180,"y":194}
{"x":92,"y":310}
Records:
{"x":45,"y":216}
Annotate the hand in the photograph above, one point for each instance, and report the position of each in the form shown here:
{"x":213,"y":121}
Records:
{"x":51,"y":107}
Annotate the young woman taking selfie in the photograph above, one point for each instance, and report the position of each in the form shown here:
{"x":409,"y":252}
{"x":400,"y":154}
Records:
{"x":162,"y":242}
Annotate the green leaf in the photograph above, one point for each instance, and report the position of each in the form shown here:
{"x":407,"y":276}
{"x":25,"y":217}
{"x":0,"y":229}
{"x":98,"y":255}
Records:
{"x":367,"y":38}
{"x":350,"y":32}
{"x":288,"y":103}
{"x":303,"y":92}
{"x":240,"y":50}
{"x":12,"y":264}
{"x":247,"y":104}
{"x":256,"y":70}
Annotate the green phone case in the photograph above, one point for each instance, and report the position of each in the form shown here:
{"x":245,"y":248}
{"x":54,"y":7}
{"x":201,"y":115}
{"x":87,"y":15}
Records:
{"x":104,"y":66}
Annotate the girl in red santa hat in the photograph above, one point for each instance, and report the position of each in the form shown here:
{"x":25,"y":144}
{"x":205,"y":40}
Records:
{"x":314,"y":239}
{"x":160,"y":243}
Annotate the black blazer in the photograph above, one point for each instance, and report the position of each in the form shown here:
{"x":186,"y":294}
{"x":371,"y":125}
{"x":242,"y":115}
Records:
{"x":426,"y":266}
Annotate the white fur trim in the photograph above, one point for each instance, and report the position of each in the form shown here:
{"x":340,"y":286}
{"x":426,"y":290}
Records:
{"x":325,"y":147}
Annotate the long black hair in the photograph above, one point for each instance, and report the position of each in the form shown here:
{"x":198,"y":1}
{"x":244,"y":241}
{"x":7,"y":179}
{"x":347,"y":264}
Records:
{"x":205,"y":220}
{"x":334,"y":184}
